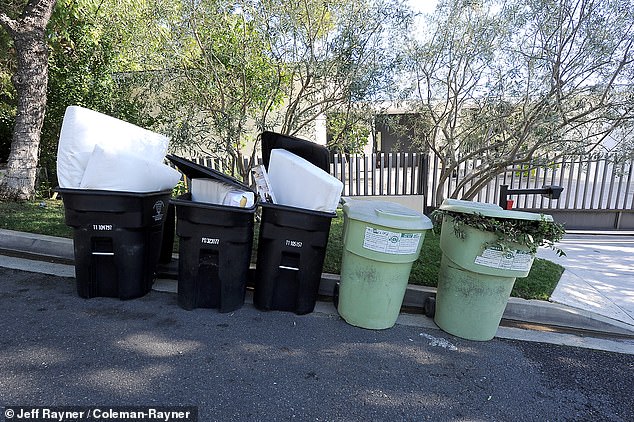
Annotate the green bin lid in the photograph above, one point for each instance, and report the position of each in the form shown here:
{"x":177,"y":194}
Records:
{"x":490,"y":210}
{"x":387,"y":214}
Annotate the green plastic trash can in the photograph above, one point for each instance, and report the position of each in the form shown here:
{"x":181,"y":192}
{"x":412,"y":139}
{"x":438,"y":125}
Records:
{"x":381,"y":241}
{"x":476,"y":274}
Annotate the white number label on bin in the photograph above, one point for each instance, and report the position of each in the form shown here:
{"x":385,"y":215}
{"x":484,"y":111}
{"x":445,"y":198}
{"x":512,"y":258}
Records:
{"x":495,"y":257}
{"x":391,"y":242}
{"x":102,"y":227}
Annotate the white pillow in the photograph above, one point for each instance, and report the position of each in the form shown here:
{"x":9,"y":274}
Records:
{"x":120,"y":171}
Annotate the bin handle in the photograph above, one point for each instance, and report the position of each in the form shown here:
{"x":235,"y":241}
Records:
{"x":392,"y":214}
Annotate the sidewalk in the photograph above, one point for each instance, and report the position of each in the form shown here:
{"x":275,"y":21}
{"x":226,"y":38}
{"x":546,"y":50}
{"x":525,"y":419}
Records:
{"x":599,"y":274}
{"x":595,"y":294}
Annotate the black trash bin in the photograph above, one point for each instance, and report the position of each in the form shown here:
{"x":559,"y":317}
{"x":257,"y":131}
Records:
{"x":117,"y":240}
{"x":215,"y":244}
{"x":316,"y":154}
{"x":292,"y":241}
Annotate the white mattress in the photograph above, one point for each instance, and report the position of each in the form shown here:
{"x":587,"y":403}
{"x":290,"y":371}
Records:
{"x":83,"y":129}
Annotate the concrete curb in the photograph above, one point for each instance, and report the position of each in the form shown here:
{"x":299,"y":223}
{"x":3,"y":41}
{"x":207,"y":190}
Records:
{"x":517,"y":309}
{"x":614,"y":232}
{"x":37,"y":245}
{"x":520,"y":310}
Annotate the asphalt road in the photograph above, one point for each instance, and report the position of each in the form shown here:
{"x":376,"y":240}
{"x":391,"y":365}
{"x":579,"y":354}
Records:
{"x":59,"y":349}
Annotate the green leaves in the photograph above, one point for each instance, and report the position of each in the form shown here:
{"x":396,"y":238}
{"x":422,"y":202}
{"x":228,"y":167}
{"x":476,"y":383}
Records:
{"x":86,"y":62}
{"x":348,"y":132}
{"x":528,"y":233}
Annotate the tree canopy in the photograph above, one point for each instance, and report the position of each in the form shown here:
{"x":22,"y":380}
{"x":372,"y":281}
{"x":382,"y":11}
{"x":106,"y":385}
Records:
{"x":247,"y":66}
{"x":90,"y":44}
{"x":501,"y":82}
{"x":508,"y":82}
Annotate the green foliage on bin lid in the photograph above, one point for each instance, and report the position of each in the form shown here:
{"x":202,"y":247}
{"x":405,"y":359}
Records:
{"x":530,"y":233}
{"x":490,"y":210}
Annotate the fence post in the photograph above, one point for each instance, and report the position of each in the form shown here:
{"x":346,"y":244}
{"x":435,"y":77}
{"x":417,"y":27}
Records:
{"x":423,"y":178}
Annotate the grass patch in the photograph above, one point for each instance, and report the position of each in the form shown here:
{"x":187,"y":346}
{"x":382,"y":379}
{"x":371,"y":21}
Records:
{"x":540,"y":282}
{"x":42,"y":216}
{"x":47,"y":217}
{"x":332,"y":263}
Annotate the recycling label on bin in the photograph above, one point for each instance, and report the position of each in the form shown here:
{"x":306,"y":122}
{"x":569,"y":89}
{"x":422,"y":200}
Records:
{"x":496,"y":257}
{"x":389,"y":242}
{"x":158,"y":210}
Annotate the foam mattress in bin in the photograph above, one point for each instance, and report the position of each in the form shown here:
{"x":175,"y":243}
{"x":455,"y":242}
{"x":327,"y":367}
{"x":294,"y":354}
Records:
{"x":298,"y":183}
{"x":83,"y":129}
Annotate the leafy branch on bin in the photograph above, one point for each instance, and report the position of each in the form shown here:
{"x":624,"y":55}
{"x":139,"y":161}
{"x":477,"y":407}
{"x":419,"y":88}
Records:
{"x":528,"y":233}
{"x":179,"y":189}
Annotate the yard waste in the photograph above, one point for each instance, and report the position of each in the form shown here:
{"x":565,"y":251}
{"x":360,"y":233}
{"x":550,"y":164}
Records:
{"x":477,"y":269}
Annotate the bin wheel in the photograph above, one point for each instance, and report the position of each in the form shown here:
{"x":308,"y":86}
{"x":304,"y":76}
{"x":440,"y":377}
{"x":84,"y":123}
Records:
{"x":429,"y":307}
{"x":335,"y":295}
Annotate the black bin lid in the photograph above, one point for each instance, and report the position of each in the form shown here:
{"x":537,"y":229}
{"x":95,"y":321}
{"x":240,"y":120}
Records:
{"x":316,"y":154}
{"x":196,"y":171}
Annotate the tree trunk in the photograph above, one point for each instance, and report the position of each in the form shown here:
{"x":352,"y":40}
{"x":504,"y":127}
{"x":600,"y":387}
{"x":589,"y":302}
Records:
{"x":30,"y":81}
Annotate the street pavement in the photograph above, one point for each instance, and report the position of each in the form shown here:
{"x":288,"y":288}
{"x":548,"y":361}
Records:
{"x":59,"y":349}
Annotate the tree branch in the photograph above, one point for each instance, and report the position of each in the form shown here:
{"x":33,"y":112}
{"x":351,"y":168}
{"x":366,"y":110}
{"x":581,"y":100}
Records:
{"x":9,"y":24}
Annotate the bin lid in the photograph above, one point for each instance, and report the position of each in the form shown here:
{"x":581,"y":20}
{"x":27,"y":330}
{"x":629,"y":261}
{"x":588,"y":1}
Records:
{"x":490,"y":210}
{"x":316,"y":154}
{"x":196,"y":171}
{"x":387,"y":214}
